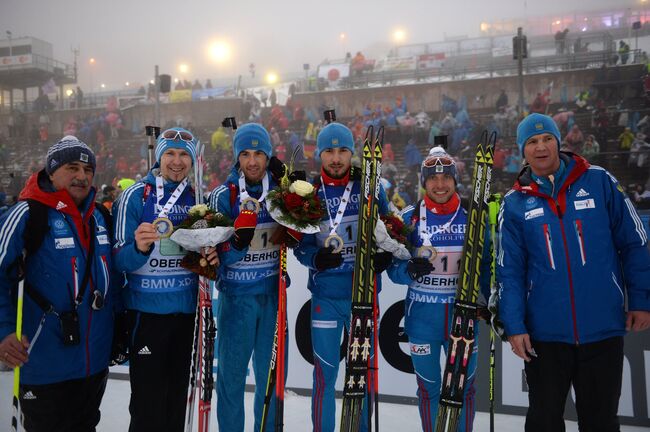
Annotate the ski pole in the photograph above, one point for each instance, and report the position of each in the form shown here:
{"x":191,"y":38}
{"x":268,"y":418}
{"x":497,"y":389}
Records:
{"x":493,"y":210}
{"x":15,"y":419}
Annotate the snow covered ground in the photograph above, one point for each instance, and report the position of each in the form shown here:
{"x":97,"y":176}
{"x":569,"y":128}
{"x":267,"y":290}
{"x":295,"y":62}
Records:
{"x":393,"y":417}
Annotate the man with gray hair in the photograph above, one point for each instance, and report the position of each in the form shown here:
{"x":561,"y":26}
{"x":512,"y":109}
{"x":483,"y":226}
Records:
{"x":59,"y":242}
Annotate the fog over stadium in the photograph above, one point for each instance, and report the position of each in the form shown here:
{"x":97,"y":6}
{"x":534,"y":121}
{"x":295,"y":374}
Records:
{"x":127,"y":38}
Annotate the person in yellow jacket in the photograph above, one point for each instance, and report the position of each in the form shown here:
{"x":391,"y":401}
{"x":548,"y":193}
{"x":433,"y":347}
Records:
{"x":625,"y":139}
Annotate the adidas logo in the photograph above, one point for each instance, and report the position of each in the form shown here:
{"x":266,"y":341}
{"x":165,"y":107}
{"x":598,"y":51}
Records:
{"x":60,"y":205}
{"x":582,"y":193}
{"x":144,"y":351}
{"x":29,"y":396}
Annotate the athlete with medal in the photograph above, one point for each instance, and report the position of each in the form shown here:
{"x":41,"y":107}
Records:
{"x":248,"y":277}
{"x":160,"y":296}
{"x":330,"y":256}
{"x":432,"y":277}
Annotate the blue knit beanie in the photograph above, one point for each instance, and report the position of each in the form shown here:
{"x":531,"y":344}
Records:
{"x":69,"y":149}
{"x":176,"y":138}
{"x":334,"y":135}
{"x":252,"y":136}
{"x":536,"y":124}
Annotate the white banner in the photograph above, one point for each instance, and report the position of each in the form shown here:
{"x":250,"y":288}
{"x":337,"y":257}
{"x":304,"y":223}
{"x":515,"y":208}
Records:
{"x":16,"y":60}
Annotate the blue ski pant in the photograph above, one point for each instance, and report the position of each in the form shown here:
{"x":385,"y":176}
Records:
{"x":427,"y":326}
{"x":329,"y":317}
{"x":245,"y":327}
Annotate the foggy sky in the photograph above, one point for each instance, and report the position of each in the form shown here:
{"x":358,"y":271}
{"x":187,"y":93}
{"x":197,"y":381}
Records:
{"x":127,"y":38}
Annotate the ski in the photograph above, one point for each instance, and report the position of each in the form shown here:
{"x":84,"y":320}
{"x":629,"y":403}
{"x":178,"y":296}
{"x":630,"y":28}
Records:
{"x":464,"y":321}
{"x":275,"y":380}
{"x":205,"y":331}
{"x":363,"y":287}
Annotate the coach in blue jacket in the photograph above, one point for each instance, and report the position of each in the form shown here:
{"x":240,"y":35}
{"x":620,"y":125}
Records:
{"x":573,"y":254}
{"x":69,"y":293}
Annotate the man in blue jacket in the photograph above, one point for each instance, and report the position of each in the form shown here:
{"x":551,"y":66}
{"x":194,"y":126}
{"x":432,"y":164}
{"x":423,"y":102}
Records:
{"x":573,"y":253}
{"x":438,"y":223}
{"x":248,"y":278}
{"x":160,"y":296}
{"x":331,"y":268}
{"x":70,"y":295}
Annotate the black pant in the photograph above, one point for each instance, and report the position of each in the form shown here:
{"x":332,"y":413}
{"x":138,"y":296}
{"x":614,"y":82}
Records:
{"x":594,"y":369}
{"x":67,"y":406}
{"x":160,"y":353}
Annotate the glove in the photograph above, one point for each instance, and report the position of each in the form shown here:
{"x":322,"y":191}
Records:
{"x":418,"y":267}
{"x":120,"y":346}
{"x":495,"y":321}
{"x":382,"y":261}
{"x":326,"y":259}
{"x":298,"y":175}
{"x":277,"y":168}
{"x":293,"y":238}
{"x":244,"y":229}
{"x":285,"y":235}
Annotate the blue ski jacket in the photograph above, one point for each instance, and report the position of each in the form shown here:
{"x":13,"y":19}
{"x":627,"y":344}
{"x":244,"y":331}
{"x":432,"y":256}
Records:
{"x":155,"y":281}
{"x":55,"y":271}
{"x":254,"y":269}
{"x":335,"y":283}
{"x":569,"y":261}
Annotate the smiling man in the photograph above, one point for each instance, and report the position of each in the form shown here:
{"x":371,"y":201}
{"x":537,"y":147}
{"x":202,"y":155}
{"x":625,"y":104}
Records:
{"x":330,"y":255}
{"x":70,"y":293}
{"x":438,"y":234}
{"x":574,"y":276}
{"x":160,"y":296}
{"x":248,"y":278}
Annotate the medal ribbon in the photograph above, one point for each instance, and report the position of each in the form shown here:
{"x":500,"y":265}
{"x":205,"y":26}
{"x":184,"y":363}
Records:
{"x":243,"y":193}
{"x":160,"y":193}
{"x":342,"y":206}
{"x":426,"y":238}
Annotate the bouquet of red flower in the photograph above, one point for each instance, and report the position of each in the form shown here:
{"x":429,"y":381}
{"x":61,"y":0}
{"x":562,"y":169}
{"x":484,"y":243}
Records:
{"x":397,"y":229}
{"x":202,"y":228}
{"x":296,"y":205}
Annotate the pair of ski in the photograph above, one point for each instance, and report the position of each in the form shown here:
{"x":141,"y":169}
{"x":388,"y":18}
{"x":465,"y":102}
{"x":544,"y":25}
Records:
{"x":465,"y":317}
{"x":205,"y":331}
{"x":363,"y":320}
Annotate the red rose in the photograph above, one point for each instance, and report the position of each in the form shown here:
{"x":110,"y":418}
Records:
{"x":292,"y":201}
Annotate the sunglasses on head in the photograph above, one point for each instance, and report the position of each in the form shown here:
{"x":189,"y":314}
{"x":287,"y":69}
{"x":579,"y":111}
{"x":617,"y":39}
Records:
{"x":433,"y":161}
{"x":174,"y":135}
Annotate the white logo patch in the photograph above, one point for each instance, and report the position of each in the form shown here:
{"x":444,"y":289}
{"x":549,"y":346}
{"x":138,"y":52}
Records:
{"x":420,"y":349}
{"x":144,"y":351}
{"x":59,"y":224}
{"x":534,"y":213}
{"x":582,"y":193}
{"x":60,"y":205}
{"x":64,"y":243}
{"x":83,"y":157}
{"x":29,"y":396}
{"x":102,"y":239}
{"x":584,"y":204}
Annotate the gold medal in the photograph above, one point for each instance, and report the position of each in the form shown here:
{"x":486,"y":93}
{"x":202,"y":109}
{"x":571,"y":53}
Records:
{"x":250,"y":204}
{"x":428,"y":252}
{"x":335,"y":241}
{"x":164,"y":227}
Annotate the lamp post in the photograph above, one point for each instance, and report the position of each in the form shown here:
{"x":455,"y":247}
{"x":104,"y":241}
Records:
{"x":519,"y":53}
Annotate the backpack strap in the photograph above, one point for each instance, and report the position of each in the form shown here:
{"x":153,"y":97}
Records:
{"x":36,"y":227}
